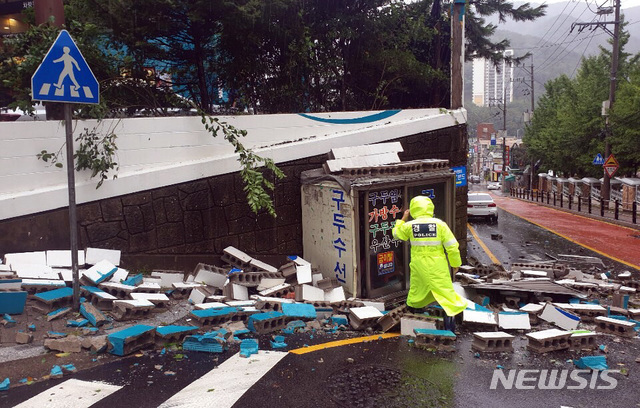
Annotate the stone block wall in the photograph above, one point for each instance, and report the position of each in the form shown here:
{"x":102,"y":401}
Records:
{"x":180,"y":225}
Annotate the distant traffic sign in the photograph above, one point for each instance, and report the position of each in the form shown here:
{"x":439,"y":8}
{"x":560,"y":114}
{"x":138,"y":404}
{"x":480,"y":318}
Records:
{"x":599,"y":160}
{"x":611,"y":166}
{"x":64,"y":75}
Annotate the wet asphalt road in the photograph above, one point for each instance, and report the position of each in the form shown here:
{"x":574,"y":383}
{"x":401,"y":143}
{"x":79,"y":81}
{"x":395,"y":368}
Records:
{"x":391,"y":372}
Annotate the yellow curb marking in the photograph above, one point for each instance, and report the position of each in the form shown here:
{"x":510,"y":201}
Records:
{"x":574,"y":241}
{"x":482,"y":244}
{"x":338,"y":343}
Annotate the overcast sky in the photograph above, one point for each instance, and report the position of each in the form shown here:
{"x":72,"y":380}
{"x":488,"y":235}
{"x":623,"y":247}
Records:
{"x":623,"y":3}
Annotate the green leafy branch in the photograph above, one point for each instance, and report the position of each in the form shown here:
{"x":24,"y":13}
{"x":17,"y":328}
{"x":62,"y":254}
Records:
{"x":96,"y":152}
{"x":255,"y":182}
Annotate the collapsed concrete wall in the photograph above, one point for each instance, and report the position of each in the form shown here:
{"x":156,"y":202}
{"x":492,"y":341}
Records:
{"x":180,"y":225}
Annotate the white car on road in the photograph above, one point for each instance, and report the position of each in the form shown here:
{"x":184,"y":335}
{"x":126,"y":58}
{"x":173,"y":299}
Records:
{"x":494,"y":186}
{"x":482,"y":205}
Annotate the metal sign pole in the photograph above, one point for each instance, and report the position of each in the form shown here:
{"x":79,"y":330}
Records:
{"x":73,"y":218}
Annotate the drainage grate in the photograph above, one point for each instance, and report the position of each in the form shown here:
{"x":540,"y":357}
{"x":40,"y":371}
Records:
{"x":370,"y":386}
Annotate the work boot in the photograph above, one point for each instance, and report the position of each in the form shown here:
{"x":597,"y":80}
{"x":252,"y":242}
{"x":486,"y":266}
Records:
{"x":450,"y":323}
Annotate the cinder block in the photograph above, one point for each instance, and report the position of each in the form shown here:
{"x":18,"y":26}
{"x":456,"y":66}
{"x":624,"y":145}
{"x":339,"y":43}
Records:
{"x":492,"y":341}
{"x":119,"y":275}
{"x":328,"y":283}
{"x":335,"y":294}
{"x":131,"y":309}
{"x":54,"y":299}
{"x":91,"y":313}
{"x":98,"y":297}
{"x":33,"y":286}
{"x":278,"y":291}
{"x":438,"y":339}
{"x":209,"y":305}
{"x":268,"y":283}
{"x":614,"y":326}
{"x":309,"y":293}
{"x":248,"y":347}
{"x":288,"y":270}
{"x":586,"y":312}
{"x":173,"y":334}
{"x":392,"y":319}
{"x":303,"y":270}
{"x":132,"y":339}
{"x":548,"y":340}
{"x":215,"y":317}
{"x":117,"y":289}
{"x":361,"y":318}
{"x":94,"y":255}
{"x":479,"y":318}
{"x":134,"y":280}
{"x":236,"y":257}
{"x":181,"y":289}
{"x":100,"y":272}
{"x":210,"y":275}
{"x":148,"y":287}
{"x":268,"y":322}
{"x":235,"y":291}
{"x":160,"y":300}
{"x":299,"y":310}
{"x":583,"y":340}
{"x":345,"y":305}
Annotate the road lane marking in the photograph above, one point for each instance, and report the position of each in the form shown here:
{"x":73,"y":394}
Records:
{"x":339,"y":343}
{"x":71,"y":393}
{"x":482,"y":244}
{"x":225,"y":384}
{"x":574,"y":241}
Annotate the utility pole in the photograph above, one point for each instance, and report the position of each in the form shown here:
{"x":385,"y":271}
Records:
{"x":457,"y":54}
{"x":533,"y":99}
{"x":605,"y":192}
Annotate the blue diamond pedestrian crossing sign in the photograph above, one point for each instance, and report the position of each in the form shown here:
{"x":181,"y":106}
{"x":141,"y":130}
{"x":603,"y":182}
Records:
{"x":64,"y":75}
{"x":599,"y":160}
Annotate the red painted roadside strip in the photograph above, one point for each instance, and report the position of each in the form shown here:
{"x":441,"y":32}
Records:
{"x":614,"y":241}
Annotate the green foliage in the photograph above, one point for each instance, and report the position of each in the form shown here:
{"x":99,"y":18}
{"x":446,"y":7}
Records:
{"x":568,"y":130}
{"x":96,"y":152}
{"x":255,"y":183}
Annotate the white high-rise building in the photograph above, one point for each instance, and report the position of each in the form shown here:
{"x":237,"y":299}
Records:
{"x":489,"y":81}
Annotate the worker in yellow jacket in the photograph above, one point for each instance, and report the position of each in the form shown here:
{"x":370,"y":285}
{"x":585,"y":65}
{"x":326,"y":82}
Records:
{"x":430,"y":278}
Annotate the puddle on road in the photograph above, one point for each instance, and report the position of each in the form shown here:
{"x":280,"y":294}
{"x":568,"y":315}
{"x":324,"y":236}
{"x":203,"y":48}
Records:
{"x":415,"y":382}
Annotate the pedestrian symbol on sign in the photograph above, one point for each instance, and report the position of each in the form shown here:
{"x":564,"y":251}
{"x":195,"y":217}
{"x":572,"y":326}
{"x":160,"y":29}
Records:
{"x":64,"y":76}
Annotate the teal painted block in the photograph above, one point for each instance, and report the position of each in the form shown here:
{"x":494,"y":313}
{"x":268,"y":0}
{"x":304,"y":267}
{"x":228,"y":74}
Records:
{"x":167,"y":330}
{"x":12,"y":302}
{"x":133,"y":281}
{"x":215,"y":312}
{"x":262,"y":316}
{"x":433,"y":332}
{"x":118,"y":339}
{"x":56,"y":294}
{"x":5,"y":384}
{"x":248,"y":347}
{"x":77,"y":323}
{"x":340,"y":320}
{"x":93,"y":318}
{"x":299,"y":310}
{"x":209,"y":342}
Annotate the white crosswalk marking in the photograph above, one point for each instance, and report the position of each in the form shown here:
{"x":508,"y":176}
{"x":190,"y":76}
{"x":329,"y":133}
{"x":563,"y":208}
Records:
{"x":224,"y":385}
{"x":46,"y":88}
{"x":71,"y":393}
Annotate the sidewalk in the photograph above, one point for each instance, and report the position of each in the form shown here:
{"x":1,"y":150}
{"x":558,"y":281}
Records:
{"x":618,"y":242}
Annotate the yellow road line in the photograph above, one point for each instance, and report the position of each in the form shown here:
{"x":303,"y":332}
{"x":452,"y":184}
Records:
{"x":338,"y":343}
{"x":482,"y":244}
{"x":574,"y":241}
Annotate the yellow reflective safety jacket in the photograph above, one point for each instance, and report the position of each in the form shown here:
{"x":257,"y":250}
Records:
{"x":429,"y":238}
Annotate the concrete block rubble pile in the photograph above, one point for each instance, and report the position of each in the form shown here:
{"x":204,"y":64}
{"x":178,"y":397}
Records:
{"x":565,"y":304}
{"x":235,"y":303}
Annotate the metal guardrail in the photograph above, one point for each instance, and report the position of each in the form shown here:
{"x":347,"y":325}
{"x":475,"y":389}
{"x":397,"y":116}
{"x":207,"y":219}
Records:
{"x":579,"y":203}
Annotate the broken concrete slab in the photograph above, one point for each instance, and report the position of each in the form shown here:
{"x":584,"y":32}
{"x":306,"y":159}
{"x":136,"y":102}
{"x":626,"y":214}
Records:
{"x":58,"y":313}
{"x":492,"y":342}
{"x":132,"y":339}
{"x":95,"y":344}
{"x":24,"y":338}
{"x":69,"y":344}
{"x":561,"y":318}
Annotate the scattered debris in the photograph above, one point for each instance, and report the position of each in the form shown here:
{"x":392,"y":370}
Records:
{"x":597,"y":363}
